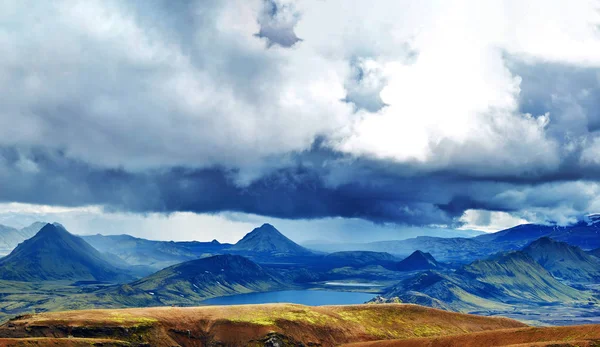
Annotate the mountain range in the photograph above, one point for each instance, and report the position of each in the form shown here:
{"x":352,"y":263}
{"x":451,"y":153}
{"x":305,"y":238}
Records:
{"x":155,"y":255}
{"x":543,"y":272}
{"x":509,"y":278}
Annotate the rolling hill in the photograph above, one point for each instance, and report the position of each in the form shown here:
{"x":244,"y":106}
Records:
{"x":190,"y":282}
{"x":268,"y":240}
{"x":564,"y":261}
{"x":417,"y":261}
{"x":270,"y":325}
{"x":55,"y":254}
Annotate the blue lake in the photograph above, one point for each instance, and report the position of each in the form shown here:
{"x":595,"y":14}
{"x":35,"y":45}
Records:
{"x":303,"y":297}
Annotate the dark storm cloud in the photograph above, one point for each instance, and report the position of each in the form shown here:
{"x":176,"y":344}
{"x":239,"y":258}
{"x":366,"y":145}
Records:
{"x":318,"y":184}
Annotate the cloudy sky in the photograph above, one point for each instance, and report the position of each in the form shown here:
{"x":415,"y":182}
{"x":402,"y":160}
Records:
{"x":201,"y":119}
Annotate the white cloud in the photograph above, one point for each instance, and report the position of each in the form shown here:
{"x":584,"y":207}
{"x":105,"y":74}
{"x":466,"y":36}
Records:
{"x":489,"y":221}
{"x":115,"y":90}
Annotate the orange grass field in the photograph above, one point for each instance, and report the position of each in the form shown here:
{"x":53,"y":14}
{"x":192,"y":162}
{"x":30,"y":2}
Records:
{"x":286,"y":324}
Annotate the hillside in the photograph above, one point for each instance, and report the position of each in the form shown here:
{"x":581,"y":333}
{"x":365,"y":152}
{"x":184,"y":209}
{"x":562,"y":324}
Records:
{"x":282,"y":324}
{"x":11,"y":237}
{"x":267,"y":239}
{"x":570,"y":336}
{"x":508,"y":278}
{"x":55,"y":254}
{"x":190,"y":282}
{"x":417,"y":261}
{"x":564,"y":261}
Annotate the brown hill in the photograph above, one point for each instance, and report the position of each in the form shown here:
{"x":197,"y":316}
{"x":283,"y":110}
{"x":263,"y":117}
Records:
{"x":580,"y":335}
{"x":246,"y":324}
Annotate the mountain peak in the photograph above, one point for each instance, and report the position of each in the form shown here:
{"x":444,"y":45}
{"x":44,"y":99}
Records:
{"x":266,"y":227}
{"x":418,"y":260}
{"x":54,"y":229}
{"x":267,"y":239}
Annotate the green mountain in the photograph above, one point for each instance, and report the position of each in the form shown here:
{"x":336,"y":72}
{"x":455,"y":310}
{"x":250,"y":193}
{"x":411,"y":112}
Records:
{"x":55,"y":254}
{"x":268,"y":240}
{"x":564,"y":261}
{"x":509,"y":278}
{"x":418,"y":261}
{"x":11,"y":237}
{"x":196,"y":280}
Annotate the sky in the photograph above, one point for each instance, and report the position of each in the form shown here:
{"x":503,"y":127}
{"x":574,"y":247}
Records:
{"x":335,"y":119}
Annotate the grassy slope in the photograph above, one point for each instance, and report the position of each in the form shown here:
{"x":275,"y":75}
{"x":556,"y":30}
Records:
{"x":328,"y":325}
{"x":565,"y":261}
{"x":582,"y":335}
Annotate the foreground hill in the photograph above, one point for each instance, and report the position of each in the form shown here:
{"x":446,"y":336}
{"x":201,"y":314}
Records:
{"x":268,"y":240}
{"x":190,"y":282}
{"x":55,"y":254}
{"x":276,"y":324}
{"x":11,"y":237}
{"x":492,"y":284}
{"x":564,"y":261}
{"x":575,"y":336}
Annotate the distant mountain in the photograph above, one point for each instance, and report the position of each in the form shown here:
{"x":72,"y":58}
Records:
{"x":267,"y":239}
{"x":595,"y":252}
{"x":585,"y":235}
{"x":55,"y":254}
{"x":457,"y":249}
{"x":507,"y":278}
{"x":418,"y":261}
{"x":153,"y":254}
{"x":359,"y":259}
{"x":196,"y":280}
{"x":11,"y":237}
{"x":564,"y":261}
